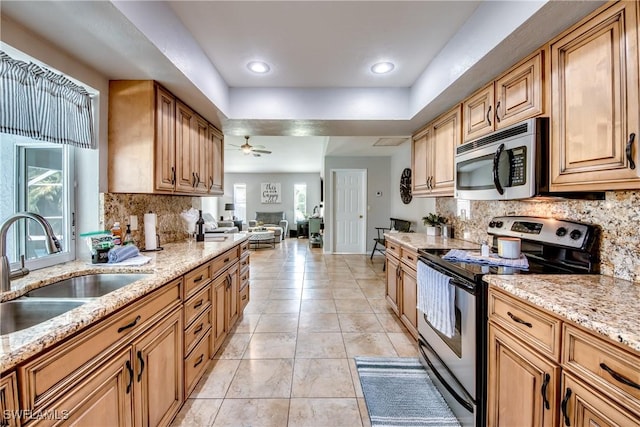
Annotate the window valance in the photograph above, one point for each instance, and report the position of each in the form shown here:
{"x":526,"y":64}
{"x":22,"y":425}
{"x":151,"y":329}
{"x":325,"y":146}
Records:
{"x":43,"y":105}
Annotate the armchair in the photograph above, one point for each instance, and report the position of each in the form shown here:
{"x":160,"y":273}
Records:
{"x":271,"y":219}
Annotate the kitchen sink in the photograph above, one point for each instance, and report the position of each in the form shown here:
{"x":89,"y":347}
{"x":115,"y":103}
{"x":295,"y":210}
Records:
{"x":21,"y":313}
{"x":89,"y":286}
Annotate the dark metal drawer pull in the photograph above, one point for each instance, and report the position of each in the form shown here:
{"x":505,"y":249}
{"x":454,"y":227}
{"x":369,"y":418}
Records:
{"x":488,"y":115}
{"x":543,"y":390}
{"x":141,"y":359}
{"x":198,"y":304}
{"x":410,"y":258}
{"x":497,"y":112}
{"x":632,"y":164}
{"x":173,"y":175}
{"x":519,"y":320}
{"x":226,"y":260}
{"x":198,"y":329}
{"x":130,"y":369}
{"x":199,"y":278}
{"x":563,"y":407}
{"x":620,"y":378}
{"x":200,"y":359}
{"x":130,"y":325}
{"x":244,"y":297}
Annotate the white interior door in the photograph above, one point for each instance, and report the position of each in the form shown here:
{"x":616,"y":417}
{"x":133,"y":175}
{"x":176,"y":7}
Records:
{"x":349,"y":213}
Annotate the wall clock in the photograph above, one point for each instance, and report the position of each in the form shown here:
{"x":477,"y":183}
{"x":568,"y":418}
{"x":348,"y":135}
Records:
{"x":405,"y":186}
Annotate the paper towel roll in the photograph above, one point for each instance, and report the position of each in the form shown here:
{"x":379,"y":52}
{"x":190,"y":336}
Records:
{"x":150,"y":240}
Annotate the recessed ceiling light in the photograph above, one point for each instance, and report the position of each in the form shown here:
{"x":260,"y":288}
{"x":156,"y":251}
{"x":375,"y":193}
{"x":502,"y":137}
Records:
{"x":382,"y":67}
{"x":258,"y":67}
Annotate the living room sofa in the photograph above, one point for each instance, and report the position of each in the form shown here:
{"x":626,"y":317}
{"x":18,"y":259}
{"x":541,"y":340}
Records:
{"x":271,"y":219}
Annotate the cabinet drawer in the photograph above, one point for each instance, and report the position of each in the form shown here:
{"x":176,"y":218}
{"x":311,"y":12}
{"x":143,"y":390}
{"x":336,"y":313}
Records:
{"x":195,"y":363}
{"x":244,"y":277}
{"x":244,"y":248}
{"x":244,"y":297}
{"x":196,"y":305}
{"x":392,"y":248}
{"x":221,"y":262}
{"x":602,"y":364}
{"x":58,"y":370}
{"x":409,"y":257}
{"x":535,"y":327}
{"x":193,"y":333}
{"x":195,"y":279}
{"x":244,"y":262}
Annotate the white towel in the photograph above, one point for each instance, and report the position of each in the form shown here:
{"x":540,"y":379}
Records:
{"x":492,"y":259}
{"x":436,"y":298}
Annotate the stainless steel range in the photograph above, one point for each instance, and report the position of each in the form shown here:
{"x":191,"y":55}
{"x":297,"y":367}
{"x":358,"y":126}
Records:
{"x":456,"y":359}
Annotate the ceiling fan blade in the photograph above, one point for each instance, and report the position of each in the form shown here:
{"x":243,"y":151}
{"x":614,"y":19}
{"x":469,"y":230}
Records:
{"x":256,"y":154}
{"x":234,"y":145}
{"x":261,"y":151}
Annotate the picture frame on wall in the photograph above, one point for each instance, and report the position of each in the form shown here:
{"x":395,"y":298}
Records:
{"x":270,"y":192}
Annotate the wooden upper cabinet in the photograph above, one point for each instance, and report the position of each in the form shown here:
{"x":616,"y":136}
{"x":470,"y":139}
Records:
{"x":157,"y":144}
{"x":446,"y":137}
{"x":594,"y":103}
{"x":215,"y":162}
{"x":419,"y":158}
{"x":433,"y":153}
{"x":516,"y":95}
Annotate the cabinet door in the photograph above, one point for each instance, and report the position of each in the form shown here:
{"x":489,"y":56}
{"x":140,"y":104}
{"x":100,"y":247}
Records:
{"x":104,"y":398}
{"x":594,"y":103}
{"x":220,"y":327}
{"x":392,"y":269}
{"x":158,"y":362}
{"x":165,"y":161}
{"x":185,"y":140}
{"x":582,"y":406}
{"x":522,"y":386}
{"x":519,"y":93}
{"x":478,"y":113}
{"x":9,"y":401}
{"x":199,"y":154}
{"x":409,"y":292}
{"x":215,"y":162}
{"x":233,"y":293}
{"x":419,"y":158}
{"x":445,"y":139}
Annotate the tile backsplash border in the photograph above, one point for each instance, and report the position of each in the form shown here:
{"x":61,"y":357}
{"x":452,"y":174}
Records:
{"x":618,"y":216}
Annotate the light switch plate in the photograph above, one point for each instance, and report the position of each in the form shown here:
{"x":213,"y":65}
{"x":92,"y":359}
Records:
{"x":133,"y":222}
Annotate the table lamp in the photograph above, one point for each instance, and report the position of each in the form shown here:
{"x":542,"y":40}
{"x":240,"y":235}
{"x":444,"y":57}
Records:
{"x":229,"y":207}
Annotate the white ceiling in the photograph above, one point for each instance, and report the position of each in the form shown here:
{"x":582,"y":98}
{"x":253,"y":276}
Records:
{"x":320,"y":92}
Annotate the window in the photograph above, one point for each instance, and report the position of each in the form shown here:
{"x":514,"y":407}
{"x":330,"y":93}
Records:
{"x":240,"y":201}
{"x":37,"y":177}
{"x":300,"y":201}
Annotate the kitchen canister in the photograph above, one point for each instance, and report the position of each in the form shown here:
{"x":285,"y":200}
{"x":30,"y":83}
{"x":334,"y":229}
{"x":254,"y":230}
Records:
{"x":509,"y":247}
{"x":150,"y":233}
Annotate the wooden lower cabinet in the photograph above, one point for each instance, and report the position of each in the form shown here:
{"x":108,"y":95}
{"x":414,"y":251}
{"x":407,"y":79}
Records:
{"x":522,"y":385}
{"x":392,"y":269}
{"x":158,"y":386}
{"x":226,"y":288}
{"x":583,"y":406}
{"x":409,"y":295}
{"x":9,"y":401}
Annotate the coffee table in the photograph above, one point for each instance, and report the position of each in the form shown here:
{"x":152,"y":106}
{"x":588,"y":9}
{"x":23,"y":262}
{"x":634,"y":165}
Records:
{"x":258,"y":238}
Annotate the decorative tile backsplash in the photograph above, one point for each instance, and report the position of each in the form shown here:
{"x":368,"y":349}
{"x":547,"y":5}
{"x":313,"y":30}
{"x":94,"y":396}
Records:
{"x":170,"y":227}
{"x":618,"y":215}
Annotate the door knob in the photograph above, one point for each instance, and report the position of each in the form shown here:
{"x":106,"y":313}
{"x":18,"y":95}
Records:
{"x":361,"y":216}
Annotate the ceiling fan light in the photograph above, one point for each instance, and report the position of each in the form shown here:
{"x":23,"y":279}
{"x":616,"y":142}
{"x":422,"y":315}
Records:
{"x":382,"y":67}
{"x":258,"y":67}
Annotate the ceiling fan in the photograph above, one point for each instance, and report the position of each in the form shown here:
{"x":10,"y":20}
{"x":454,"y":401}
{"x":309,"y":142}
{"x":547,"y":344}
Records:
{"x":247,"y":148}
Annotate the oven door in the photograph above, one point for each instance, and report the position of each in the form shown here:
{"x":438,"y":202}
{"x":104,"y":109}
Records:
{"x":452,"y":362}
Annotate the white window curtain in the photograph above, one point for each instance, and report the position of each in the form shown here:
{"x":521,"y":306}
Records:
{"x":43,"y":105}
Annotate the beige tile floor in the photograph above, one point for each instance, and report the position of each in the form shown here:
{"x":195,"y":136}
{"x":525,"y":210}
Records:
{"x":289,"y":361}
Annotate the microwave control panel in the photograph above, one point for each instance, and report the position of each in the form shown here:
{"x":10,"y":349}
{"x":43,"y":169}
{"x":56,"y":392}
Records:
{"x":518,"y":157}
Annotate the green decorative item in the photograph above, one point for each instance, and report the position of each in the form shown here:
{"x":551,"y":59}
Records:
{"x":433,"y":222}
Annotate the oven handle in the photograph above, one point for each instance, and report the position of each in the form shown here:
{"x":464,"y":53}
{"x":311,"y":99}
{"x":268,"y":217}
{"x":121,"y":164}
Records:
{"x":467,"y":287}
{"x":461,"y":400}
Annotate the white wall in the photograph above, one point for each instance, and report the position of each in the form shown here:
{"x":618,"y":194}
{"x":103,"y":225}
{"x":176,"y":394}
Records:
{"x":419,"y":206}
{"x":286,"y":180}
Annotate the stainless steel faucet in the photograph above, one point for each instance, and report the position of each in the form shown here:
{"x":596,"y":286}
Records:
{"x":51,"y":242}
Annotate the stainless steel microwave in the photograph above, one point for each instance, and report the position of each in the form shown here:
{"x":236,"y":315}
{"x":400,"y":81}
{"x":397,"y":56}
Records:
{"x":512,"y":163}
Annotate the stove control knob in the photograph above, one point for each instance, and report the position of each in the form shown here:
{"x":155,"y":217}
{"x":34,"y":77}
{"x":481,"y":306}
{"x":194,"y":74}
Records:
{"x":560,"y":232}
{"x":575,"y":234}
{"x":492,"y":224}
{"x":499,"y":224}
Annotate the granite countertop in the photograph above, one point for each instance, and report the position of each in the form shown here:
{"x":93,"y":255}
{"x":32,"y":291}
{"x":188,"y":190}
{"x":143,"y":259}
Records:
{"x":417,"y":241}
{"x":175,"y":260}
{"x":604,"y":305}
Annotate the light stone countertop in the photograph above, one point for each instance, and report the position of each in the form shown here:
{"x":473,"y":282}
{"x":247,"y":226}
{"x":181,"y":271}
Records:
{"x":417,"y":241}
{"x":604,"y":305}
{"x":175,"y":260}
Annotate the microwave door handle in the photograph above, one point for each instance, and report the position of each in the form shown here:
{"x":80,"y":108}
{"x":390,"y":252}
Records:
{"x":496,"y":173}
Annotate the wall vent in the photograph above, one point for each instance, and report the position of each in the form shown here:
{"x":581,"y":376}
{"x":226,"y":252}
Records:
{"x":389,"y":142}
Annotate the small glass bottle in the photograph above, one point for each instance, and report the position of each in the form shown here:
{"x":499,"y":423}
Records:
{"x":116,"y":232}
{"x":200,"y":228}
{"x":128,"y":238}
{"x":484,"y":250}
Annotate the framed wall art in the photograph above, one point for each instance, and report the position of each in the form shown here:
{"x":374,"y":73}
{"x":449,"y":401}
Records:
{"x":270,"y":192}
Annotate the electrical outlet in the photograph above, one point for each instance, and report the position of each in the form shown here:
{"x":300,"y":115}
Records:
{"x":133,"y":222}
